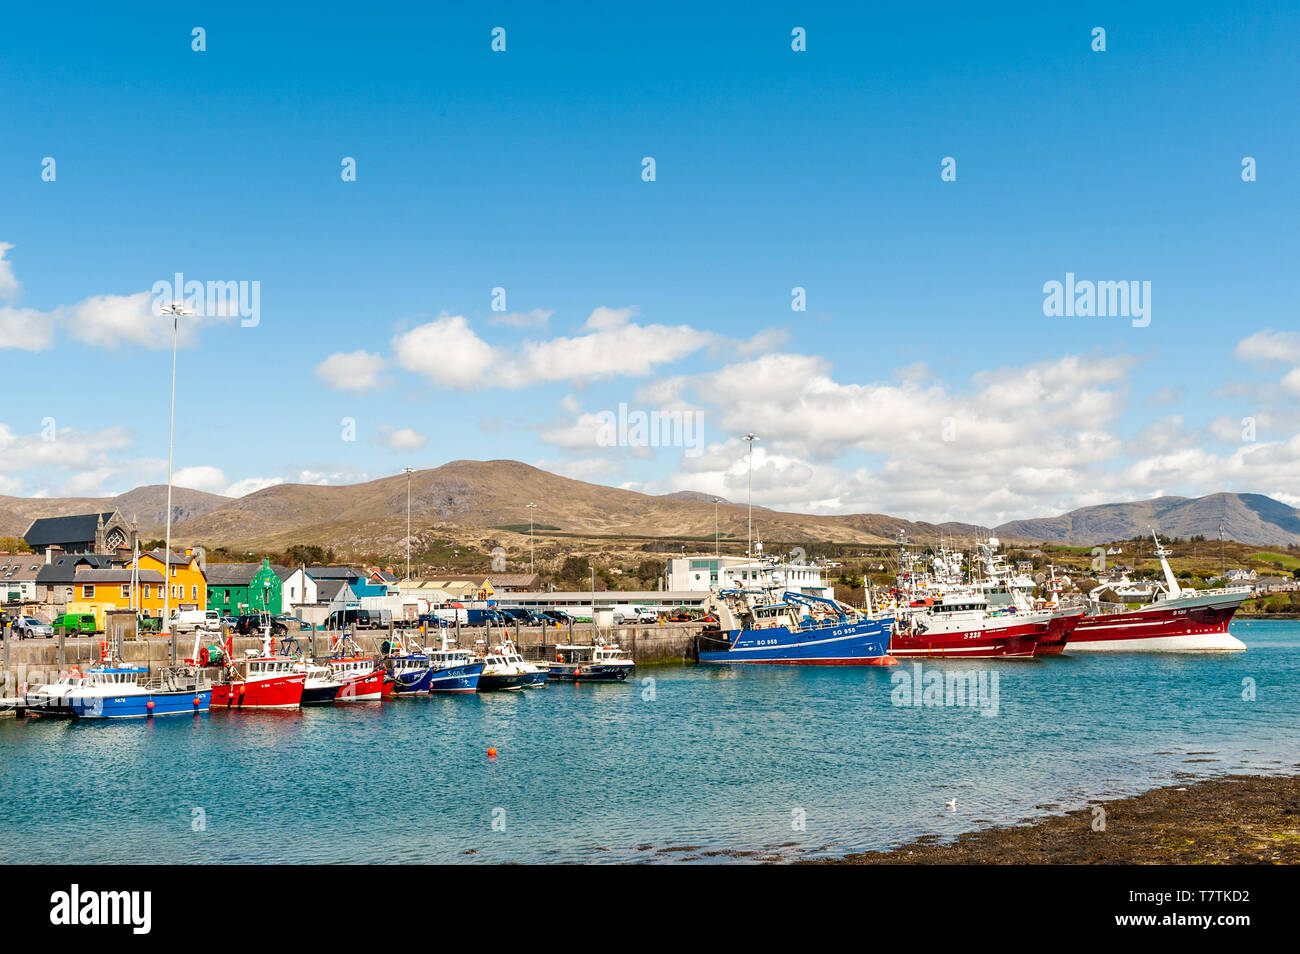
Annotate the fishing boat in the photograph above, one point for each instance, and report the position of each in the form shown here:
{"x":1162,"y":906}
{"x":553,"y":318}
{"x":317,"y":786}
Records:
{"x":321,"y":687}
{"x":499,"y":674}
{"x":362,"y":679}
{"x":1178,"y":620}
{"x":599,"y":662}
{"x":454,"y":670}
{"x":51,"y":699}
{"x":409,"y":667}
{"x":791,"y":628}
{"x":961,"y":623}
{"x":263,"y":679}
{"x":534,"y":675}
{"x":128,"y":692}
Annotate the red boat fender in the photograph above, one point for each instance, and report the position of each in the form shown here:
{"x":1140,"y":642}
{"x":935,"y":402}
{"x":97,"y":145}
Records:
{"x":883,"y":661}
{"x":198,"y":701}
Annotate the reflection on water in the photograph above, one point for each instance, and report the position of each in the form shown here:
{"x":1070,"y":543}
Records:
{"x":712,"y":764}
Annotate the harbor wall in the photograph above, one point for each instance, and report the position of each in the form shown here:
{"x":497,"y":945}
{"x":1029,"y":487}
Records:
{"x":41,"y":660}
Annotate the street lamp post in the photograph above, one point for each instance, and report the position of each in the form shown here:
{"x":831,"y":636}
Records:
{"x":531,"y":508}
{"x":749,"y":546}
{"x":408,"y":523}
{"x":717,"y":552}
{"x":175,"y":311}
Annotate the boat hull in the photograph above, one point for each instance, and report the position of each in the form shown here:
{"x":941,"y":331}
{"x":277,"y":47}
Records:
{"x":410,"y":682}
{"x":1199,"y":624}
{"x":282,"y":692}
{"x":862,"y":643}
{"x":138,"y":706}
{"x":456,"y":678}
{"x":1018,"y":641}
{"x":319,"y":695}
{"x":598,"y":672}
{"x":500,"y":682}
{"x":1058,"y":634}
{"x":373,"y":687}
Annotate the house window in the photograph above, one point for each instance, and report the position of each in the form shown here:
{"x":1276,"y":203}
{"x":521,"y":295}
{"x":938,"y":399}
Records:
{"x":172,"y":566}
{"x":68,"y":594}
{"x":126,"y":591}
{"x":145,"y":589}
{"x":194,"y":591}
{"x":87,"y":592}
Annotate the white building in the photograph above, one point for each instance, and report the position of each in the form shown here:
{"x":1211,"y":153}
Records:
{"x":700,"y":574}
{"x":297,"y":588}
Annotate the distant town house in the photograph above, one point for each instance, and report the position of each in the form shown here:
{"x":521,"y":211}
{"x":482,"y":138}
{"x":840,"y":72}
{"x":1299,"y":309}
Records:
{"x":18,"y":573}
{"x":187,"y":584}
{"x":236,"y":589}
{"x":297,"y":588}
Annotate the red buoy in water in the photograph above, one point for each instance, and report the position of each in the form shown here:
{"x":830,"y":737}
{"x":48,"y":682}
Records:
{"x":492,"y":752}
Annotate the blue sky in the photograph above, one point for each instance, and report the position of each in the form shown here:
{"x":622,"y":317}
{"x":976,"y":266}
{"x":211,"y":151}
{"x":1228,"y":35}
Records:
{"x":923,"y":379}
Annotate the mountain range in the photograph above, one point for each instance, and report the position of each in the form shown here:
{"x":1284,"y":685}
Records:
{"x":485,"y":495}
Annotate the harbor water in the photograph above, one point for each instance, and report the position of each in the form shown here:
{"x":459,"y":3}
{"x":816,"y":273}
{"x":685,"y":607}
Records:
{"x":682,"y":763}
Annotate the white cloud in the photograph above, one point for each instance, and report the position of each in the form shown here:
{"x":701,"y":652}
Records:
{"x":448,"y":353}
{"x":353,"y":371}
{"x":401,"y":438}
{"x":524,"y":319}
{"x":100,"y":321}
{"x":242,"y":488}
{"x":201,"y":477}
{"x":10,"y":288}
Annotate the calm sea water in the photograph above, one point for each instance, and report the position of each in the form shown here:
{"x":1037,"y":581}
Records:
{"x":713,"y":760}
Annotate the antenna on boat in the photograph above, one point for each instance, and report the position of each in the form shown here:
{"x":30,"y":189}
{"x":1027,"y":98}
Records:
{"x":1171,"y":582}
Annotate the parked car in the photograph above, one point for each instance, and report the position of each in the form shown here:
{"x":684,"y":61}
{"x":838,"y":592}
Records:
{"x":342,"y":619}
{"x":27,"y":627}
{"x":187,"y":621}
{"x":75,"y":624}
{"x":253,"y":624}
{"x":557,"y":616}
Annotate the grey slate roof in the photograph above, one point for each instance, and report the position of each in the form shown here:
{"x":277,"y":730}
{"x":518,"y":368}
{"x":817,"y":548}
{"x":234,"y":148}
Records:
{"x":79,"y":528}
{"x":116,"y":574}
{"x":64,"y":568}
{"x":334,"y":573}
{"x":231,"y":574}
{"x":21,"y":566}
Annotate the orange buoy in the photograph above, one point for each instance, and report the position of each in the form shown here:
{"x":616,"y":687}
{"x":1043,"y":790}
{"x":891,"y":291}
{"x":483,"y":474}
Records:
{"x":492,"y":752}
{"x":198,"y":701}
{"x":149,"y":705}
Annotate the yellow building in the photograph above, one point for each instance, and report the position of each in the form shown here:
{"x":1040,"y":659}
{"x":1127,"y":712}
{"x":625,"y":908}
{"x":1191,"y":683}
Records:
{"x":185,"y":579}
{"x":98,"y":589}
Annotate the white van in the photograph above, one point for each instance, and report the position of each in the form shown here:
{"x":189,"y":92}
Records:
{"x":186,"y":621}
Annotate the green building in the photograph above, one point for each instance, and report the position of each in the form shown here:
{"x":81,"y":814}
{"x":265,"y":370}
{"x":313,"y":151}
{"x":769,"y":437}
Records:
{"x":235,"y":589}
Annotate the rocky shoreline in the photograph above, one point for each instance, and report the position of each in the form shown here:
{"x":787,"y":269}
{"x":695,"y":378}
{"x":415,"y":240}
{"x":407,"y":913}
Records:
{"x":1237,"y":819}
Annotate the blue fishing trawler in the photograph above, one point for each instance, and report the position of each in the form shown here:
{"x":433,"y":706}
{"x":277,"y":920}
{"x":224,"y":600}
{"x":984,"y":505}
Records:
{"x":125,"y":692}
{"x":409,"y":667}
{"x":791,"y":628}
{"x":453,"y":670}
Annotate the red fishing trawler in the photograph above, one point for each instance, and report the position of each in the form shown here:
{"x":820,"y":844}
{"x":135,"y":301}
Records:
{"x":1180,"y":620}
{"x":960,"y":624}
{"x":261,"y":681}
